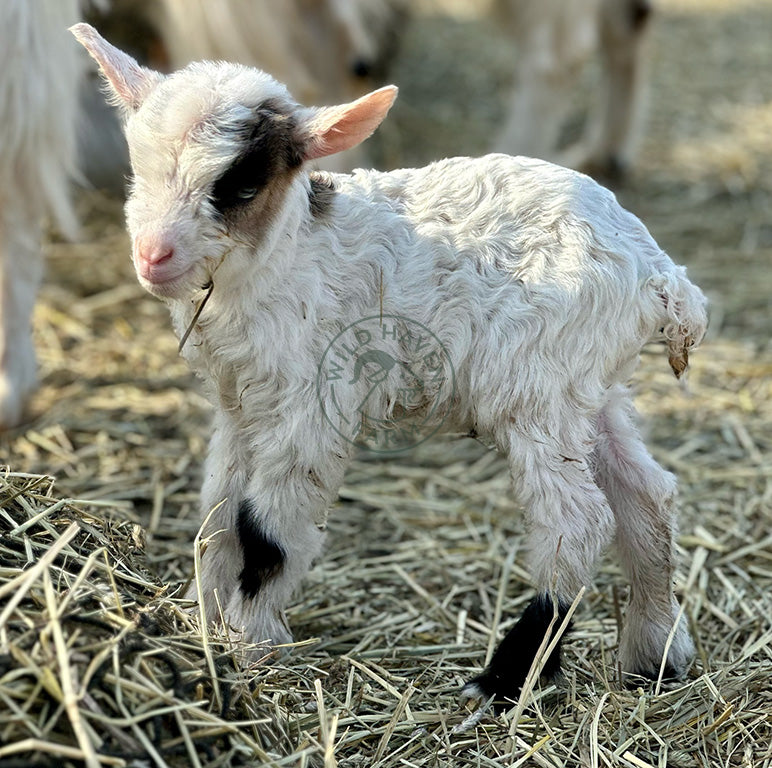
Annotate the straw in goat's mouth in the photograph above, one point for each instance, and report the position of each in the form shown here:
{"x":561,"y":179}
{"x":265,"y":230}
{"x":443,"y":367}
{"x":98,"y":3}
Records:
{"x":209,"y":287}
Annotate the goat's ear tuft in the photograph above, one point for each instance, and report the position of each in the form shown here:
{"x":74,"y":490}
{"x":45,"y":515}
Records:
{"x":127,"y":81}
{"x":335,"y":129}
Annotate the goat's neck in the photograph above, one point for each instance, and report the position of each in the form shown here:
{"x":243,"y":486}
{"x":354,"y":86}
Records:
{"x":254,"y":315}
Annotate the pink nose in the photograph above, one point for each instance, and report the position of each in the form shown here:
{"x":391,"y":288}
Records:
{"x":153,"y":251}
{"x":154,"y":257}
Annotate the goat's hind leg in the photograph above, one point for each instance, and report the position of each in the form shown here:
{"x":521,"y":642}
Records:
{"x":642,"y":496}
{"x":569,"y":525}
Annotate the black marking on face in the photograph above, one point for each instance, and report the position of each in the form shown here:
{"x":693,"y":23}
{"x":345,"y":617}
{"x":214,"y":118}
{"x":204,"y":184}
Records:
{"x":272,"y":146}
{"x":263,"y":557}
{"x":505,"y":675}
{"x":322,"y":193}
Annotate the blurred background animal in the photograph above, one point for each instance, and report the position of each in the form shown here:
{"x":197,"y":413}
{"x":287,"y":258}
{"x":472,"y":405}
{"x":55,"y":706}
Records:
{"x":38,"y":110}
{"x":553,"y":41}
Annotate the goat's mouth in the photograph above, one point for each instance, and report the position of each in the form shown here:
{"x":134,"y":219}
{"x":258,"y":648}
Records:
{"x":168,"y":287}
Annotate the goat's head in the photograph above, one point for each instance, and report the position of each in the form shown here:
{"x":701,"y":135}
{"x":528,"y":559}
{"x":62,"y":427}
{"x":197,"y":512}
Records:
{"x":214,"y":149}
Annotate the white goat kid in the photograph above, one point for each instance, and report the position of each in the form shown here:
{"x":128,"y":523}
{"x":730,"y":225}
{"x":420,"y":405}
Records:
{"x":542,"y":289}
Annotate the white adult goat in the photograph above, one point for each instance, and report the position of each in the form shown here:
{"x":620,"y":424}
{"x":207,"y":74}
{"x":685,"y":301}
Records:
{"x":38,"y":115}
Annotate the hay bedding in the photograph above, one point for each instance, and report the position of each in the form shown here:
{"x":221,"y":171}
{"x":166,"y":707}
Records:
{"x":102,"y":662}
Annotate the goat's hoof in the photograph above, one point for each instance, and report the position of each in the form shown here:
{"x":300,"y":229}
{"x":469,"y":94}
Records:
{"x":492,"y":687}
{"x":635,"y":678}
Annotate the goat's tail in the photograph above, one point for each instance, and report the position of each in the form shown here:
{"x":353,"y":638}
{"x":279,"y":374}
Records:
{"x":683,"y":319}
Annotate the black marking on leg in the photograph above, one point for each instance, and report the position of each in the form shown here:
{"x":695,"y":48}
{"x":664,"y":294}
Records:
{"x":505,"y":675}
{"x":263,"y":558}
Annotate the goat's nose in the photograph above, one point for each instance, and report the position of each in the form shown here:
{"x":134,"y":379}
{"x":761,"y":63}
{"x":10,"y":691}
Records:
{"x":154,"y":250}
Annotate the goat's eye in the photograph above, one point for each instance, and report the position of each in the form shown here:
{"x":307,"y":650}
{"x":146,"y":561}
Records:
{"x":242,"y":182}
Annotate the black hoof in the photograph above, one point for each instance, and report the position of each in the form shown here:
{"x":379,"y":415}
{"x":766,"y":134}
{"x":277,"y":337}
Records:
{"x":504,"y":677}
{"x":489,"y":686}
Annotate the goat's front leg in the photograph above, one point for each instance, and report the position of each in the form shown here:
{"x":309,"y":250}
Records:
{"x":225,"y":478}
{"x":265,"y":533}
{"x":21,"y":267}
{"x":642,"y":497}
{"x":569,"y":525}
{"x":279,"y":537}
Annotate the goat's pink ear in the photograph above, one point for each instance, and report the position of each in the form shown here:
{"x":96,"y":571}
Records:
{"x":335,"y":129}
{"x":129,"y":83}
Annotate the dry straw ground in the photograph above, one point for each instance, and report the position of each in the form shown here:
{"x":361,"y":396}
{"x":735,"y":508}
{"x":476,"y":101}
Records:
{"x":101,"y":663}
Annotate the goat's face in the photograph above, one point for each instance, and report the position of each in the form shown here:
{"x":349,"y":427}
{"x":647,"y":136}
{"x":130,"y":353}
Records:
{"x":214,"y":149}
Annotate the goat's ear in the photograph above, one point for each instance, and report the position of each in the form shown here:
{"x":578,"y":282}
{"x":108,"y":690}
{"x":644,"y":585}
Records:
{"x":128,"y":82}
{"x":335,"y":129}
